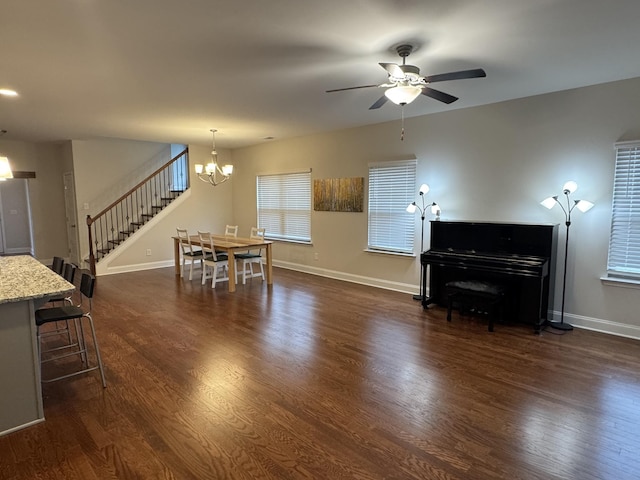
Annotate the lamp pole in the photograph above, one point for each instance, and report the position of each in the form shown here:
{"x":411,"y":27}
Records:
{"x":583,"y":206}
{"x":424,"y":188}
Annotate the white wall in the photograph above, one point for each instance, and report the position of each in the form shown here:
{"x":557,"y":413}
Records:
{"x":493,"y":162}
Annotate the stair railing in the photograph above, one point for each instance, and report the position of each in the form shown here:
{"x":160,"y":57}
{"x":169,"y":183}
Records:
{"x":127,"y":214}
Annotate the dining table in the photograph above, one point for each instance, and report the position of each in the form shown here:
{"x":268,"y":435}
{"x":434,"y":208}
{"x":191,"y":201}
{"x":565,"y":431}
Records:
{"x":25,"y":285}
{"x":230,"y":245}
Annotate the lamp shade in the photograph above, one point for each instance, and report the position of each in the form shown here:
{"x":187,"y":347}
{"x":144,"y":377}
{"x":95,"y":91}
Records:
{"x":5,"y":169}
{"x":570,"y":186}
{"x":412,"y":207}
{"x":584,"y":205}
{"x":402,"y":95}
{"x":424,"y":189}
{"x":549,"y":202}
{"x":227,"y":170}
{"x":199,"y":168}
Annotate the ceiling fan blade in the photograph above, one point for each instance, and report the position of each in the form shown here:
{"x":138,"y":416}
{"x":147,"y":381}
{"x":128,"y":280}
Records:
{"x":475,"y":73}
{"x":381,"y":101}
{"x":438,"y":95}
{"x":350,"y":88}
{"x":393,"y":69}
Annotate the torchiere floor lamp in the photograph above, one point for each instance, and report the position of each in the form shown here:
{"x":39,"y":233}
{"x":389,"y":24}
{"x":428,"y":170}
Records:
{"x":583,"y":206}
{"x":435,"y":209}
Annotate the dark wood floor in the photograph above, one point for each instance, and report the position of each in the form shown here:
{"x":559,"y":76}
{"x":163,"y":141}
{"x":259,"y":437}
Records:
{"x":319,"y":379}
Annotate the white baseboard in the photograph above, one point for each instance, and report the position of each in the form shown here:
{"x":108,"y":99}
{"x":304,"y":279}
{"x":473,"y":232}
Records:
{"x":138,"y":267}
{"x":347,"y":277}
{"x":600,"y":325}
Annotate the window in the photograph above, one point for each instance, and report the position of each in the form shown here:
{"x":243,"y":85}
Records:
{"x":391,"y":189}
{"x":284,"y":206}
{"x":624,"y":243}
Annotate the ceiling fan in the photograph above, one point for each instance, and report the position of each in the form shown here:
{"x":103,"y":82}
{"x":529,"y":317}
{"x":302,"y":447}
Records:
{"x":405,"y":83}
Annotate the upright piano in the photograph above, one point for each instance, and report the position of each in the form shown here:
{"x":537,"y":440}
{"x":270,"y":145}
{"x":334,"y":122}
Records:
{"x":519,"y":256}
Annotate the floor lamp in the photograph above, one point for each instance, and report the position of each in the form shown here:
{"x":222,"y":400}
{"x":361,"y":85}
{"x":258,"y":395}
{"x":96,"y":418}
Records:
{"x":583,"y":206}
{"x":435,"y":209}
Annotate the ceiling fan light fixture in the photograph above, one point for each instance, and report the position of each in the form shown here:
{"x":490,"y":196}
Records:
{"x":403,"y":94}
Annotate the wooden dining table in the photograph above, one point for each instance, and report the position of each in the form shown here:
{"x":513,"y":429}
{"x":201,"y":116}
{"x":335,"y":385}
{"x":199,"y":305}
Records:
{"x":230,"y":245}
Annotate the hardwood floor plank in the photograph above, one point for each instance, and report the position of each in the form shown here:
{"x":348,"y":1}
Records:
{"x":313,"y":378}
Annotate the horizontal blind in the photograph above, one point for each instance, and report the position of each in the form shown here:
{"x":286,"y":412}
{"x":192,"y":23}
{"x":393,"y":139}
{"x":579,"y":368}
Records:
{"x":624,"y":243}
{"x":391,"y":189}
{"x":284,"y":206}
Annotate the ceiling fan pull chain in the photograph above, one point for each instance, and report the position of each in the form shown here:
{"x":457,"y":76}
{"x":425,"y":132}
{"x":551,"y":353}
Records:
{"x":402,"y":130}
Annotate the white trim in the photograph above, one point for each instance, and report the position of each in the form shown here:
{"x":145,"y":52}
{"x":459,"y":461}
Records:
{"x":601,"y":325}
{"x":621,"y":282}
{"x":20,"y":427}
{"x":629,"y":144}
{"x":347,"y":277}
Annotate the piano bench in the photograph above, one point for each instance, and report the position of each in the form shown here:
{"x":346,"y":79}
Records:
{"x":478,"y":294}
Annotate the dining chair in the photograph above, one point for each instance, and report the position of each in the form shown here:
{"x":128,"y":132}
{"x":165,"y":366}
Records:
{"x":231,"y":231}
{"x":78,"y":313}
{"x":251,"y":257}
{"x":189,"y":254}
{"x":213,"y":262}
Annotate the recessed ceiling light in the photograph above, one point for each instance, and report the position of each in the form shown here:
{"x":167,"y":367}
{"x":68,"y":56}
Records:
{"x":8,"y":93}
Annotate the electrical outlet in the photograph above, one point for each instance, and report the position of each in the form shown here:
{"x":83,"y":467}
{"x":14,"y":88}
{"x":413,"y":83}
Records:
{"x":148,"y":252}
{"x":316,"y":256}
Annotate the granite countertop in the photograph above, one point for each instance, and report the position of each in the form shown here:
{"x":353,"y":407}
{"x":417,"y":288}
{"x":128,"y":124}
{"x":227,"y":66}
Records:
{"x":22,"y":277}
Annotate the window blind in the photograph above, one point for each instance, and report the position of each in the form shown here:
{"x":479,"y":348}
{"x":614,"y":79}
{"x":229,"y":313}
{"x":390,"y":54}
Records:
{"x":284,"y":206}
{"x":624,"y":242}
{"x":391,"y":188}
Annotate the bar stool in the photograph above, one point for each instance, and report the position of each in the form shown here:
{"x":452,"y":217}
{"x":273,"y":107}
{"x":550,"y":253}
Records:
{"x":76,"y":313}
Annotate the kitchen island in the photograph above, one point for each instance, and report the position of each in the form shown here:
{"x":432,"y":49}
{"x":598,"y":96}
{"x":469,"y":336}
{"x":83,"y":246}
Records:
{"x":25,"y":285}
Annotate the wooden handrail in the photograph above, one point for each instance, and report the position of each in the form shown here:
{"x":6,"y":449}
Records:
{"x":90,"y":219}
{"x":118,"y":203}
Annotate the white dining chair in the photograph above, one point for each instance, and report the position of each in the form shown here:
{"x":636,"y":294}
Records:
{"x":215,"y":265}
{"x":189,"y":254}
{"x":248,"y":259}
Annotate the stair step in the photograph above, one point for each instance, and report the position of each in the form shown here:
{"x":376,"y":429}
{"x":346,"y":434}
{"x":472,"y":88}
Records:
{"x":157,"y":207}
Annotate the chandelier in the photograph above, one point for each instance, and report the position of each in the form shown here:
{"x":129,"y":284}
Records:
{"x":211,"y":172}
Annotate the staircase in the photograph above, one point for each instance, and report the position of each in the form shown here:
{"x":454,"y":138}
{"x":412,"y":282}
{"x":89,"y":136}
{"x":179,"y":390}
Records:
{"x":124,"y":217}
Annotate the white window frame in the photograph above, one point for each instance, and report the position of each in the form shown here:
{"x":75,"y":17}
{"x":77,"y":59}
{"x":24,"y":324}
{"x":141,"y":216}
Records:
{"x":392,"y":186}
{"x":624,"y":241}
{"x":284,"y":206}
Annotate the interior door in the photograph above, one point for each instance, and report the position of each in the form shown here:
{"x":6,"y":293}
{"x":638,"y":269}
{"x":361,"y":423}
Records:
{"x":72,"y":217}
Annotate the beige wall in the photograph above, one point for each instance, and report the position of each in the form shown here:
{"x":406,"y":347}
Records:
{"x":202,"y":207}
{"x":46,"y":193}
{"x":493,"y":162}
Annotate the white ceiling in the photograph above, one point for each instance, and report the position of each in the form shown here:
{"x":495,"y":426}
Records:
{"x":169,"y":70}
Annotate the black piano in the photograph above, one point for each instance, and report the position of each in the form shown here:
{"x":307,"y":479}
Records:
{"x":519,"y":256}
